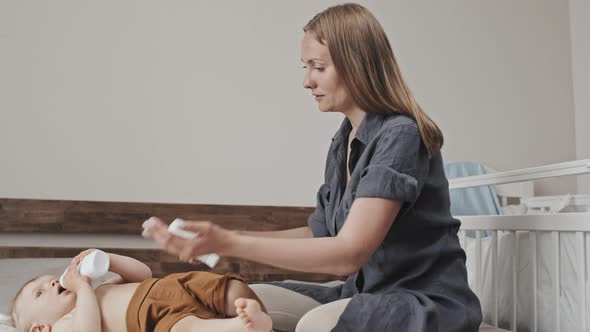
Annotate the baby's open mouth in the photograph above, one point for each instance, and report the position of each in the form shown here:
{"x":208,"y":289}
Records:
{"x":60,"y":290}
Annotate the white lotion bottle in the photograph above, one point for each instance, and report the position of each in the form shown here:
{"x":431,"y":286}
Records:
{"x":94,"y":265}
{"x":176,"y":229}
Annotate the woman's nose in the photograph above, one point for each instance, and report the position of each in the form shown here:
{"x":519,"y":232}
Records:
{"x":307,"y":82}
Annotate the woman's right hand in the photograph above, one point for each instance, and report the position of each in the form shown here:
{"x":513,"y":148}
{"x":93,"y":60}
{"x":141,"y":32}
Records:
{"x":211,"y":238}
{"x":73,"y":280}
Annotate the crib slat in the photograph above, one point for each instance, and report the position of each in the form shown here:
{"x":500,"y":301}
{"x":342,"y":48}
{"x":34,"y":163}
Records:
{"x":582,"y":276}
{"x":514,"y":280}
{"x":555,"y":236}
{"x":464,"y":239}
{"x":535,"y":280}
{"x":495,"y":275}
{"x":583,"y":260}
{"x":586,"y":277}
{"x":478,"y":268}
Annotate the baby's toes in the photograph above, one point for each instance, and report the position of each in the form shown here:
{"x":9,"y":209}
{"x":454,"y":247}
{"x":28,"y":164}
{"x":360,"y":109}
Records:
{"x":240,"y":303}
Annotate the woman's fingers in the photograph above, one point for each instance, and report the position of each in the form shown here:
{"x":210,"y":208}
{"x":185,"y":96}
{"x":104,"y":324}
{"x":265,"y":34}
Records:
{"x":168,"y":242}
{"x":186,"y":254}
{"x":186,"y":250}
{"x":212,"y":237}
{"x":157,"y":230}
{"x":200,"y":227}
{"x":152,"y":222}
{"x":152,"y":226}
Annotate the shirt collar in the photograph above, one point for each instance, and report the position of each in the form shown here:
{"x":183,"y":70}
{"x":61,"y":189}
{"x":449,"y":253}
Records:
{"x":366,"y":131}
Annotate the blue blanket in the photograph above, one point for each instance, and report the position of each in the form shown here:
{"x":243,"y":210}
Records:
{"x":473,"y":201}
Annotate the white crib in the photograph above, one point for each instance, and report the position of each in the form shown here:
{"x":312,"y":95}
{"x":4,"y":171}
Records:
{"x":530,"y":271}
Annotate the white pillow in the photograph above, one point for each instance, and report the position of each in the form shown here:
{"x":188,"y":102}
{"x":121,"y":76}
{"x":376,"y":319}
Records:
{"x":6,"y":324}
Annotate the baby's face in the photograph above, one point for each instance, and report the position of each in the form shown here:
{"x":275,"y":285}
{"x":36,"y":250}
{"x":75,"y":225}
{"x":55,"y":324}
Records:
{"x":44,"y":301}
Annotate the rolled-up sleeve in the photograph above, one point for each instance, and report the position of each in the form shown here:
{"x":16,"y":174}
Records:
{"x":398,"y":166}
{"x":317,"y":220}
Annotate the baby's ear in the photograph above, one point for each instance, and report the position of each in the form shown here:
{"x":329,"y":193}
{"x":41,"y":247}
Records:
{"x":40,"y":328}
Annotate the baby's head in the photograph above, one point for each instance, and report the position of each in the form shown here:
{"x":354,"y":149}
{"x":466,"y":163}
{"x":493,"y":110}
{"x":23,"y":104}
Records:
{"x":41,"y":301}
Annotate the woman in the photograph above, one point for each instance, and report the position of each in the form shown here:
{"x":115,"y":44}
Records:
{"x":383,"y":215}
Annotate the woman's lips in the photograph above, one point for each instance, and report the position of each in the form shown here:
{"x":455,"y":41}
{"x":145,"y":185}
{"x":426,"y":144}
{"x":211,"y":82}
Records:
{"x":317,"y":98}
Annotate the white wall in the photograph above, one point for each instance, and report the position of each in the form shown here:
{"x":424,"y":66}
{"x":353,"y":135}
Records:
{"x":496,"y":76}
{"x":580,"y":29}
{"x":202,"y":102}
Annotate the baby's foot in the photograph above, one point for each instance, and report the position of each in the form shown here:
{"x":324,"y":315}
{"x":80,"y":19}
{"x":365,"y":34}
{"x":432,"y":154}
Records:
{"x":251,"y":316}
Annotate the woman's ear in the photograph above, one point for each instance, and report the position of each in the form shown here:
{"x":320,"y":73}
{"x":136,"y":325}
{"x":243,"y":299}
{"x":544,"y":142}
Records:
{"x":40,"y":328}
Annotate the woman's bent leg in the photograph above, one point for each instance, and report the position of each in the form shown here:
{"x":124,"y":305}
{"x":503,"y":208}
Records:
{"x":322,"y":318}
{"x":284,"y":306}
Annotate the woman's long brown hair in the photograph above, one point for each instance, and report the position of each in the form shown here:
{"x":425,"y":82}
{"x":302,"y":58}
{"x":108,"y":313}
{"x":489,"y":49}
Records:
{"x":364,"y":59}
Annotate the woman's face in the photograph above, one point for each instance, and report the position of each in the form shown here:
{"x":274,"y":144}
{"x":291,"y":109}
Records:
{"x":321,"y":77}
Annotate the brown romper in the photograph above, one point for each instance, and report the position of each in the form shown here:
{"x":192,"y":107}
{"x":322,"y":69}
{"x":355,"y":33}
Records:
{"x":158,"y":304}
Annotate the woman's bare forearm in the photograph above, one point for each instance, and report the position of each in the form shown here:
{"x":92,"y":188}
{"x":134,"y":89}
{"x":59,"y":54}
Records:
{"x":337,"y":257}
{"x":340,"y":255}
{"x":294,"y":233}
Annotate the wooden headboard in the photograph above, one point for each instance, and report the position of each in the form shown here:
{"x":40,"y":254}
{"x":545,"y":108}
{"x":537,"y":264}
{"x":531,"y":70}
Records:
{"x":42,"y":221}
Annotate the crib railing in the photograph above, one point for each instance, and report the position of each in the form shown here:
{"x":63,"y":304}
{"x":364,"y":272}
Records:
{"x":556,"y":224}
{"x":527,"y":174}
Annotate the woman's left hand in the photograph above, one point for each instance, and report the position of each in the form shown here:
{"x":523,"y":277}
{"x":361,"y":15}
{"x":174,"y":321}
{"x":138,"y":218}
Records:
{"x":211,"y":238}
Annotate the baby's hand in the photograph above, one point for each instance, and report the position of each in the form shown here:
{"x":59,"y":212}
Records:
{"x":73,"y":280}
{"x":46,"y":328}
{"x":84,"y":254}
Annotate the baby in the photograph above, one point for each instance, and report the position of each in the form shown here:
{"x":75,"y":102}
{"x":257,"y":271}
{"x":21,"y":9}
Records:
{"x":135,"y":302}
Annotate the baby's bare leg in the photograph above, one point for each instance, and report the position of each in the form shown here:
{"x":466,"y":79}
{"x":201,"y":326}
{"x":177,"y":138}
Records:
{"x":250,"y":319}
{"x":237,"y":290}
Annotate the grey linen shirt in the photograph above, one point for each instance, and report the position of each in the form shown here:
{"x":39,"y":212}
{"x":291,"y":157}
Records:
{"x":416,"y":279}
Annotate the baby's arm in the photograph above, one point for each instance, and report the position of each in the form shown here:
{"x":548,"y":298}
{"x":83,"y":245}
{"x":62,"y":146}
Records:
{"x":129,"y":269}
{"x":86,"y":315}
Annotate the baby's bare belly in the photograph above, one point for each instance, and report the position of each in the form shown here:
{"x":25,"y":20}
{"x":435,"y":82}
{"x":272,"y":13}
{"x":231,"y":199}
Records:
{"x":113,"y":301}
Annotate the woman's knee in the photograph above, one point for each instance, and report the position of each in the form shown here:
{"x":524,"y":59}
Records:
{"x":322,"y":318}
{"x":313,"y":321}
{"x":285,"y":307}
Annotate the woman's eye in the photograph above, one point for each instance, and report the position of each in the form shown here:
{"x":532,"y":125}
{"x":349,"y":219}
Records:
{"x":318,"y":68}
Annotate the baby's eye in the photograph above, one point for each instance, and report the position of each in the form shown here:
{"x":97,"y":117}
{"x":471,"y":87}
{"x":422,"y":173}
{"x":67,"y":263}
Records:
{"x":39,"y":292}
